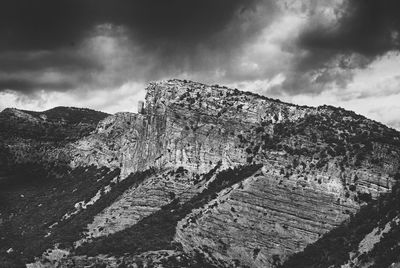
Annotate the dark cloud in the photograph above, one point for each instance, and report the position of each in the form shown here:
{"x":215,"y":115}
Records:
{"x":191,"y":37}
{"x":171,"y":36}
{"x":368,"y":27}
{"x":366,"y":30}
{"x":58,"y":70}
{"x":62,"y":60}
{"x":28,"y":85}
{"x":49,"y":24}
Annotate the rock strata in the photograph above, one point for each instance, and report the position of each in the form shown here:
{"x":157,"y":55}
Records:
{"x":313,"y":168}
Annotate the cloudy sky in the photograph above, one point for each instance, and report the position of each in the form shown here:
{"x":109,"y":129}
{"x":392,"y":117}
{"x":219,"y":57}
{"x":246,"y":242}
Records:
{"x":101,"y":53}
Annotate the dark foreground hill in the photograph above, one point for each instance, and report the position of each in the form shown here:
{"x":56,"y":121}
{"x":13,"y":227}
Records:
{"x":203,"y":176}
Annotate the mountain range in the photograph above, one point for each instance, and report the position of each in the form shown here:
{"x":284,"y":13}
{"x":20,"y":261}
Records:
{"x":201,"y":176}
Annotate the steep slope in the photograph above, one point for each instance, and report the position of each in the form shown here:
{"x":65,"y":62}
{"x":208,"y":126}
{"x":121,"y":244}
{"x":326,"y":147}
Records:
{"x":36,"y":185}
{"x":320,"y":164}
{"x":183,"y":123}
{"x":238,"y":180}
{"x":369,"y":239}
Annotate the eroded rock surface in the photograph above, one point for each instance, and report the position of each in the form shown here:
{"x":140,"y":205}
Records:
{"x":183,"y":124}
{"x":313,"y":168}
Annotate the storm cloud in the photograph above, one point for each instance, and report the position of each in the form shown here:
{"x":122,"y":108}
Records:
{"x":47,"y":24}
{"x":38,"y":35}
{"x":367,"y":27}
{"x":364,"y":31}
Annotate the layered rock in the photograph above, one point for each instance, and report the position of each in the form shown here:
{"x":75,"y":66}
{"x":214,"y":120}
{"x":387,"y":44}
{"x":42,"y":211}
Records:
{"x":183,"y":124}
{"x":139,"y":202}
{"x":317,"y":167}
{"x":265,"y":218}
{"x":297,"y":199}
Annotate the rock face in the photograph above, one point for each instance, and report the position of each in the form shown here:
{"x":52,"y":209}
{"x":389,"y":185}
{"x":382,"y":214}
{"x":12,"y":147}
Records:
{"x":183,"y":124}
{"x":262,"y":220}
{"x":311,"y":168}
{"x":368,"y":239}
{"x":139,"y":202}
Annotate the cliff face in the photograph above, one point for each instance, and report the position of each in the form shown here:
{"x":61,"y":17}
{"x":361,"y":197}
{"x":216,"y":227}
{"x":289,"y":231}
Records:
{"x":183,"y":124}
{"x":300,"y":172}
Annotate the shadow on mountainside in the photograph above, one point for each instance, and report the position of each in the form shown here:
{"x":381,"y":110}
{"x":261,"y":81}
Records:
{"x":32,"y":207}
{"x":332,"y":250}
{"x":157,"y":231}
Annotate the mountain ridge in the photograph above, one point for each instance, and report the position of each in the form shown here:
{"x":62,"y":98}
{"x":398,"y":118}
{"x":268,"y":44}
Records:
{"x":268,"y":177}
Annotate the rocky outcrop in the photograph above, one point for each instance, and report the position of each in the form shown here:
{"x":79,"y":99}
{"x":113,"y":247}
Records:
{"x":183,"y":124}
{"x":265,"y":218}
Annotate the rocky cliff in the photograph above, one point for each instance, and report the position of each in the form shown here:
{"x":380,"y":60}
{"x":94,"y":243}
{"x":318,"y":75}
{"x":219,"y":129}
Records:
{"x":183,"y":124}
{"x":236,"y":179}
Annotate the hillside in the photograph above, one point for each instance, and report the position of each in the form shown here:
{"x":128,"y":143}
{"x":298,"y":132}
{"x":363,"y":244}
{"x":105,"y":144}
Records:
{"x":29,"y":138}
{"x":57,"y":124}
{"x":369,"y":238}
{"x":203,"y":176}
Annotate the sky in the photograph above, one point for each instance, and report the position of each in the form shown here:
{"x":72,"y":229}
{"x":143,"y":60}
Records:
{"x":101,"y":54}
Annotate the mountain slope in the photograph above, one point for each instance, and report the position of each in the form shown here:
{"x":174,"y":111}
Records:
{"x":57,"y":124}
{"x":34,"y":138}
{"x":204,"y":175}
{"x":369,"y":239}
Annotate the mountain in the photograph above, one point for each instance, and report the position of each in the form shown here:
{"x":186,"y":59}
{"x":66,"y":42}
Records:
{"x":57,"y":124}
{"x":202,"y":176}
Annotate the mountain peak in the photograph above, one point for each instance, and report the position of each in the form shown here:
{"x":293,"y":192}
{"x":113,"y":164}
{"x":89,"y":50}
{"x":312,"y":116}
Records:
{"x":202,"y":175}
{"x":179,"y":87}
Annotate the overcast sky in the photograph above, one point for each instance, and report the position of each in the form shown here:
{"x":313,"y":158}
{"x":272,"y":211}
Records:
{"x":101,"y":54}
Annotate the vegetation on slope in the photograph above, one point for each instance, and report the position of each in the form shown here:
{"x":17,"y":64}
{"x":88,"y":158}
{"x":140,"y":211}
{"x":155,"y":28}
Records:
{"x":72,"y":115}
{"x":157,"y":231}
{"x":335,"y":133}
{"x":57,"y":124}
{"x":29,"y":206}
{"x":333,"y":249}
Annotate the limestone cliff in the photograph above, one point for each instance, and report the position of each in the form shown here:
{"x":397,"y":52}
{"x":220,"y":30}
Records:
{"x":183,"y":124}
